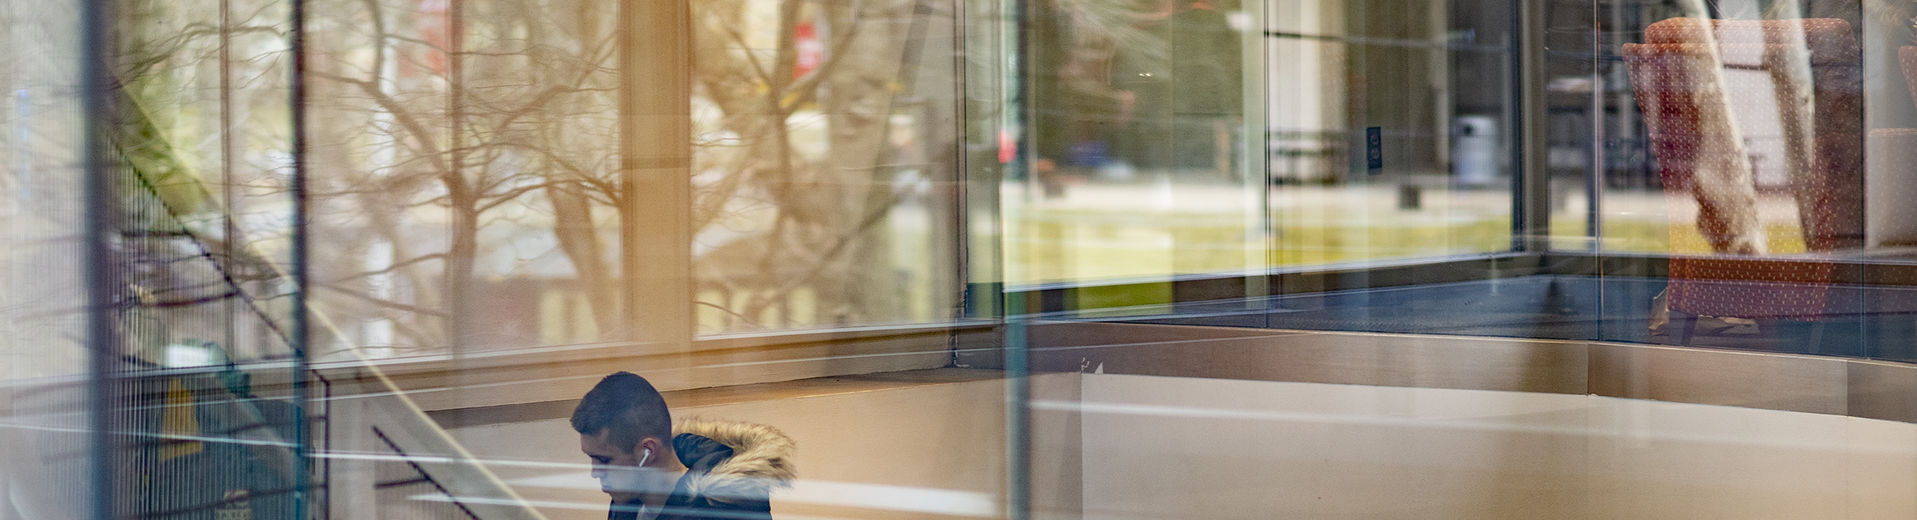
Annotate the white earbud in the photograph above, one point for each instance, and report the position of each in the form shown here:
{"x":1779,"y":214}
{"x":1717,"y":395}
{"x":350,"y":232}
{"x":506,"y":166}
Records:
{"x":646,"y":457}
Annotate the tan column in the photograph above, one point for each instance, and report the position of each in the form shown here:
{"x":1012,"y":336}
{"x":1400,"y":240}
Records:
{"x":655,"y":39}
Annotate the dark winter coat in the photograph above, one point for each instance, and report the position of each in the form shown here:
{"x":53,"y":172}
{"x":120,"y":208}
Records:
{"x":731,"y":470}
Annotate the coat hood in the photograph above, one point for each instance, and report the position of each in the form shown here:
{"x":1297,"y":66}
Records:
{"x":760,"y":459}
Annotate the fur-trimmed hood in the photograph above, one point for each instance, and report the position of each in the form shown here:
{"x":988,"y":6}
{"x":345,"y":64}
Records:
{"x":759,"y":459}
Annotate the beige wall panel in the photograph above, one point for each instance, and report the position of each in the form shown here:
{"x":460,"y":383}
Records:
{"x":1756,"y":380}
{"x":1883,"y":391}
{"x":1314,"y":357}
{"x":943,"y":442}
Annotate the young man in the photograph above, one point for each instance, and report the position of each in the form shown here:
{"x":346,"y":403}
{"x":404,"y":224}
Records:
{"x":656,"y":470}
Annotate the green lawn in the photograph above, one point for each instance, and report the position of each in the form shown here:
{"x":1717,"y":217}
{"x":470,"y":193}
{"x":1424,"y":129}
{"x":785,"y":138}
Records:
{"x":1101,"y":245}
{"x":1050,"y":246}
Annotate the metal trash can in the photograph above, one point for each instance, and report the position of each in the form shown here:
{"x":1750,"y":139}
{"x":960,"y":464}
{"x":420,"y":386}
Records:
{"x":1474,"y":150}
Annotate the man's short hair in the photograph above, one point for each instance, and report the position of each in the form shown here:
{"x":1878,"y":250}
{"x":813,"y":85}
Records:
{"x":627,"y":407}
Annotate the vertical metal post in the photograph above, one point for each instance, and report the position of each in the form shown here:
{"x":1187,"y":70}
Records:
{"x":229,"y":230}
{"x":102,"y":217}
{"x":1254,"y":152}
{"x":1018,"y":411}
{"x":302,"y":236}
{"x":1018,"y":17}
{"x":960,"y":204}
{"x":1594,"y":178}
{"x":982,"y":31}
{"x":1530,"y":146}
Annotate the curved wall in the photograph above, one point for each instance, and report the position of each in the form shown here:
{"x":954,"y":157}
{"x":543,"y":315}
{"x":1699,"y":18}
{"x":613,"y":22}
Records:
{"x":1788,"y":382}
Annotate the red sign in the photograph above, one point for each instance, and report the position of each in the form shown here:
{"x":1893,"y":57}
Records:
{"x":810,"y":51}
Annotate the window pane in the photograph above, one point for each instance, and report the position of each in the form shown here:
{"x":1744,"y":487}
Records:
{"x":1143,"y":165}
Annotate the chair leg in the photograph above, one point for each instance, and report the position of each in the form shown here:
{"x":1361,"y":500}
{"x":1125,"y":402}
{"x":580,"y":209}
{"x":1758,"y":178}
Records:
{"x":1815,"y":342}
{"x":1683,"y":326}
{"x":1774,"y":332}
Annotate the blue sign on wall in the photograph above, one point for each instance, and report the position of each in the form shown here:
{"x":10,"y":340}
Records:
{"x":1374,"y":149}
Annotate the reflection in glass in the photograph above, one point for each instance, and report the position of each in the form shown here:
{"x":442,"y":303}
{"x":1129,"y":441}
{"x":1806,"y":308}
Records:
{"x":1141,"y":142}
{"x":1471,"y":239}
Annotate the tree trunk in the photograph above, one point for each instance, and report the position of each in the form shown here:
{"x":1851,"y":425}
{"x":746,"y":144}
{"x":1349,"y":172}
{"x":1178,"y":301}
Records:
{"x":858,"y":100}
{"x":578,"y":237}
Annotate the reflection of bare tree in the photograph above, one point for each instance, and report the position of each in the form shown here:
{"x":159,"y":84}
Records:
{"x":459,"y":147}
{"x":514,"y":134}
{"x":824,"y":210}
{"x":186,"y":276}
{"x":473,"y":117}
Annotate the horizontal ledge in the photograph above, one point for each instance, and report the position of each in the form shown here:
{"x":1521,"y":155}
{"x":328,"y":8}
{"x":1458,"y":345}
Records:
{"x":1861,"y":388}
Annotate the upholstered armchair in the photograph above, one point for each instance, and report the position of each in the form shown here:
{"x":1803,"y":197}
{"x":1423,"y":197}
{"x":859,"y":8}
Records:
{"x":1691,"y":112}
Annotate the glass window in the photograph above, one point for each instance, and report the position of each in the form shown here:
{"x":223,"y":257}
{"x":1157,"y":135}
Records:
{"x":957,"y":258}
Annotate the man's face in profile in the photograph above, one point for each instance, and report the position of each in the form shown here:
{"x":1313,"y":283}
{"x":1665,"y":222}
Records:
{"x":616,"y":469}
